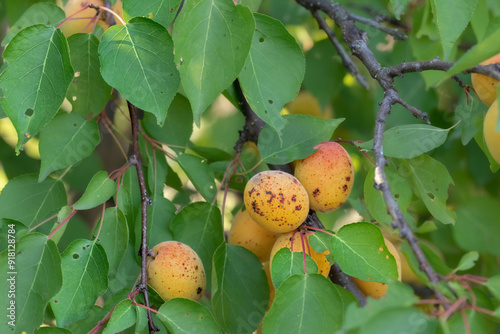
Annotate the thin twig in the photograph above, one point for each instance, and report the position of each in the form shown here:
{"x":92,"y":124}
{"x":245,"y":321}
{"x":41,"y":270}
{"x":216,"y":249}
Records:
{"x":135,"y":160}
{"x":397,"y":34}
{"x":346,"y":60}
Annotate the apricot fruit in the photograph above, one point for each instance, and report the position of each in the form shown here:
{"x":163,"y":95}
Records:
{"x":376,"y":289}
{"x":327,"y":175}
{"x":276,"y":201}
{"x":492,"y":137}
{"x":176,"y":271}
{"x":247,"y":233}
{"x":486,"y":87}
{"x":292,"y":241}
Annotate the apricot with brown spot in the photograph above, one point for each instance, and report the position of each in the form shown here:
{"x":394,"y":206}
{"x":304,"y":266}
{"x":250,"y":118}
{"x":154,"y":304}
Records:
{"x":277,"y":203}
{"x":327,"y":175}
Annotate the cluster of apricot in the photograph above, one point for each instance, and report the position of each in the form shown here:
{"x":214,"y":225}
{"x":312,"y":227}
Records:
{"x":486,"y":89}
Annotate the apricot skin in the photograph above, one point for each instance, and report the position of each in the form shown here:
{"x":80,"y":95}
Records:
{"x":176,"y":271}
{"x":247,"y":233}
{"x":327,"y":175}
{"x":492,"y":137}
{"x":276,"y":201}
{"x":376,"y":289}
{"x":486,"y":87}
{"x":77,"y":24}
{"x":285,"y":240}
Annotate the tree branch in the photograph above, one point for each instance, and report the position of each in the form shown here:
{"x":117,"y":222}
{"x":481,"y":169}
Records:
{"x":135,"y":159}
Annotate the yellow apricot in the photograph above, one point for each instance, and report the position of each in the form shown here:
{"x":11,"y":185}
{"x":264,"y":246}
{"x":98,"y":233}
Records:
{"x":376,"y":289}
{"x":327,"y":175}
{"x":486,"y":87}
{"x":176,"y":271}
{"x":276,"y":200}
{"x":492,"y":137}
{"x":306,"y":104}
{"x":118,"y":9}
{"x":80,"y":22}
{"x":293,"y":242}
{"x":247,"y":233}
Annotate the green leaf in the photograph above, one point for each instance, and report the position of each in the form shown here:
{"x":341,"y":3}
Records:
{"x":113,"y":237}
{"x":493,"y":284}
{"x":67,"y":139}
{"x":36,"y":276}
{"x":137,"y":59}
{"x":160,"y":215}
{"x":161,"y":11}
{"x":157,"y":169}
{"x":485,"y":49}
{"x":321,"y":242}
{"x":85,"y":277}
{"x":360,"y":251}
{"x":468,"y":261}
{"x":128,"y":198}
{"x":481,"y":214}
{"x":451,"y":23}
{"x":480,"y":20}
{"x":35,"y":81}
{"x":273,"y":70}
{"x":10,"y":228}
{"x":399,"y":7}
{"x":432,"y":180}
{"x":30,"y":202}
{"x":409,"y":141}
{"x":98,"y":191}
{"x":88,"y":92}
{"x":123,"y":317}
{"x":398,"y":296}
{"x":199,"y":225}
{"x":52,"y":330}
{"x":239,"y":289}
{"x":400,"y":189}
{"x":39,"y":13}
{"x":286,"y":263}
{"x":177,"y":128}
{"x":184,"y":316}
{"x":212,"y":40}
{"x":303,"y":299}
{"x":200,"y":174}
{"x":299,"y":136}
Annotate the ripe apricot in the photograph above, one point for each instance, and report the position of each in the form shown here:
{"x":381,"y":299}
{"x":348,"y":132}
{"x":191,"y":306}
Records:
{"x":81,"y":21}
{"x":276,"y":200}
{"x":492,"y":137}
{"x":486,"y":87}
{"x":176,"y":271}
{"x":376,"y":289}
{"x":293,"y":239}
{"x":327,"y":175}
{"x":247,"y":233}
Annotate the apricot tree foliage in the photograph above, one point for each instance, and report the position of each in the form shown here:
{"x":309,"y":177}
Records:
{"x":147,"y":128}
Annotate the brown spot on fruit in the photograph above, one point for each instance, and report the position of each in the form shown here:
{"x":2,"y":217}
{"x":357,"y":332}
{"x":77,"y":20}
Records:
{"x":315,"y":192}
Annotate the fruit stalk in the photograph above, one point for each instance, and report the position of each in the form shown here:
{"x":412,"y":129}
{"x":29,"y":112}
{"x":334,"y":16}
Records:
{"x":135,"y":159}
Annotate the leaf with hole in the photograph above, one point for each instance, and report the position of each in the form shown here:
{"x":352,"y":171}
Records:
{"x":88,"y":92}
{"x":35,"y":81}
{"x":85,"y":277}
{"x":273,"y":70}
{"x":432,"y":181}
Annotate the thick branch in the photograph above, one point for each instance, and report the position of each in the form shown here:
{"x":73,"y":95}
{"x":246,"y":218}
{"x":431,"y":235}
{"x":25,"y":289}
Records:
{"x":135,"y":159}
